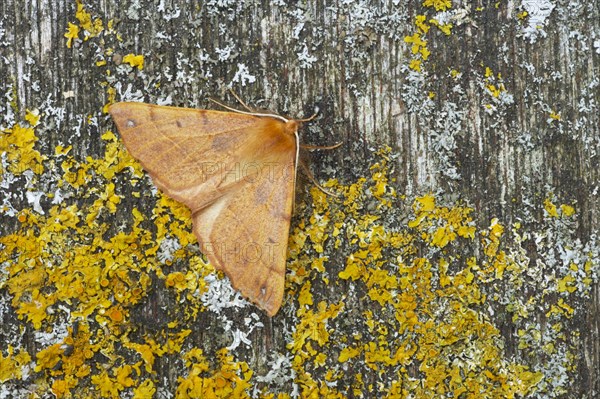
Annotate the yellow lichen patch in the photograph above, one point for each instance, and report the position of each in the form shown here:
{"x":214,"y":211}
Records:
{"x":229,"y":380}
{"x":400,"y":291}
{"x":313,"y":327}
{"x":494,"y":88}
{"x":555,"y":116}
{"x":92,"y":27}
{"x":428,"y":286}
{"x":382,"y":189}
{"x":348,"y":353}
{"x":567,"y":210}
{"x":415,"y":65}
{"x":145,"y":390}
{"x":72,"y":34}
{"x":439,"y":5}
{"x":445,"y":28}
{"x":421,"y":24}
{"x":418,"y":41}
{"x":32,"y":117}
{"x":135,"y":60}
{"x":18,"y":143}
{"x":441,"y":225}
{"x":111,"y":94}
{"x":418,"y":44}
{"x":495,"y":91}
{"x":49,"y":357}
{"x":554,"y":211}
{"x":12,"y":365}
{"x":71,"y":265}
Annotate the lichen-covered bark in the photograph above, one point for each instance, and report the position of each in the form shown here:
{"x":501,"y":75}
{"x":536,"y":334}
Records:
{"x":461,"y":255}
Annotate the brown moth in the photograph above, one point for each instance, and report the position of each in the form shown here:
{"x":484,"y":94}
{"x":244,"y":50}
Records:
{"x":236,"y":172}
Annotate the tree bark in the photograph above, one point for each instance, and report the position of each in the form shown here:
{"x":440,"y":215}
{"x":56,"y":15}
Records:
{"x":465,"y":262}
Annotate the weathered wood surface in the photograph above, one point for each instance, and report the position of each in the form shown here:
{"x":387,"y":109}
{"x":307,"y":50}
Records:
{"x":497,"y":113}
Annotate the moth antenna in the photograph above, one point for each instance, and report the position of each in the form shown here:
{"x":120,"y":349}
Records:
{"x":320,"y":147}
{"x":297,"y":137}
{"x":240,"y":100}
{"x":223,"y":105}
{"x":248,"y":113}
{"x":313,"y":116}
{"x":312,"y":178}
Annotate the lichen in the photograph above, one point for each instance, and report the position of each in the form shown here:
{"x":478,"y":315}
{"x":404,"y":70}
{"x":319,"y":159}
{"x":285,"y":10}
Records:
{"x":387,"y":294}
{"x":419,"y":293}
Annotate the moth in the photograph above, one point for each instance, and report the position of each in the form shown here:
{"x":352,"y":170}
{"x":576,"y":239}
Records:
{"x":236,"y":171}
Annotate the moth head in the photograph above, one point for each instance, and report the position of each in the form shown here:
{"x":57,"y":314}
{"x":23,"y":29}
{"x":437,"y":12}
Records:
{"x":291,"y":127}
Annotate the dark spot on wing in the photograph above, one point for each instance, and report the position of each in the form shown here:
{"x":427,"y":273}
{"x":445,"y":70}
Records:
{"x":285,"y":216}
{"x":221,"y":143}
{"x":261,"y":195}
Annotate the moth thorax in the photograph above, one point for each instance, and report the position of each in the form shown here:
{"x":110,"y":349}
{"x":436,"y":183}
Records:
{"x":291,"y":127}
